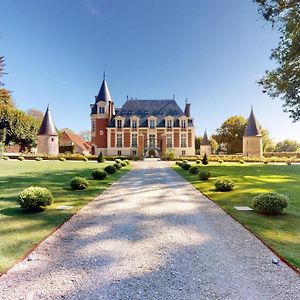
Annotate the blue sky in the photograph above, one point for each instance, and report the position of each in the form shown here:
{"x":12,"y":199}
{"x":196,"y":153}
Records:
{"x":210,"y":52}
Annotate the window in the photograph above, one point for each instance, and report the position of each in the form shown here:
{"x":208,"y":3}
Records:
{"x":93,"y":125}
{"x":152,"y":140}
{"x":119,"y":152}
{"x":134,"y":152}
{"x":183,"y":153}
{"x":183,"y":123}
{"x":152,"y":124}
{"x":169,"y":123}
{"x":169,"y":140}
{"x":52,"y":139}
{"x":183,"y":140}
{"x":133,"y":123}
{"x":134,"y":140}
{"x":119,"y":123}
{"x":101,"y":110}
{"x":119,"y":140}
{"x":101,"y":132}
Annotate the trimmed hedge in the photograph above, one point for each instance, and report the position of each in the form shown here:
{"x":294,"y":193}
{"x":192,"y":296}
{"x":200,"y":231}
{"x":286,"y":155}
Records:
{"x":205,"y":175}
{"x":194,"y":170}
{"x":224,"y":184}
{"x":21,"y":158}
{"x":110,"y":169}
{"x":79,"y":183}
{"x":38,"y":159}
{"x":185,"y":166}
{"x":270,"y":203}
{"x":99,"y":174}
{"x":118,"y":166}
{"x":35,"y":199}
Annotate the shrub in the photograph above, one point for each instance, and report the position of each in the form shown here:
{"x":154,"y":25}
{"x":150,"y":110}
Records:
{"x":198,"y":162}
{"x":85,"y":158}
{"x":135,"y":158}
{"x":118,"y":166}
{"x":79,"y":183}
{"x":205,"y":175}
{"x":123,"y":163}
{"x":62,"y":159}
{"x":21,"y":158}
{"x":110,"y":169}
{"x":205,"y":159}
{"x":118,"y":160}
{"x":100,"y":158}
{"x":224,"y":184}
{"x":270,"y":203}
{"x":185,"y":166}
{"x":99,"y":174}
{"x":38,"y":159}
{"x":220,"y":161}
{"x":288,"y":162}
{"x":266,"y":162}
{"x":127,"y":161}
{"x":241,"y":161}
{"x":35,"y":199}
{"x":194,"y":170}
{"x":178,"y":163}
{"x":5,"y":157}
{"x":185,"y":161}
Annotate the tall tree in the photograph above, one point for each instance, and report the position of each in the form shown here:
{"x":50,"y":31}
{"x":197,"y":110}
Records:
{"x":85,"y":134}
{"x":284,"y":81}
{"x":36,"y":114}
{"x":287,"y":146}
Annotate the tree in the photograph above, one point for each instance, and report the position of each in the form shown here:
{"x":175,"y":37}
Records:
{"x":5,"y":95}
{"x":198,"y":140}
{"x":284,"y":81}
{"x":230,"y":134}
{"x":267,"y":142}
{"x":214,"y":145}
{"x":85,"y":134}
{"x":36,"y":114}
{"x":205,"y":159}
{"x":2,"y":72}
{"x":287,"y":146}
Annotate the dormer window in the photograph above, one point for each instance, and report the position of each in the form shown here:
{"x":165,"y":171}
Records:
{"x":101,"y":109}
{"x":151,"y":123}
{"x":183,"y":123}
{"x":133,"y":123}
{"x":119,"y":123}
{"x":169,"y":123}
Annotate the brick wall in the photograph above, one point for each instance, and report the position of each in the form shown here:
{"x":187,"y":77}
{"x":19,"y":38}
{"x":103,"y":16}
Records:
{"x":127,"y":138}
{"x":113,"y":138}
{"x":176,"y":138}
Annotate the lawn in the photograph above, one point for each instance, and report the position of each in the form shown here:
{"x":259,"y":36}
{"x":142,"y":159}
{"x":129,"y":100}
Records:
{"x":20,"y":231}
{"x":281,"y":233}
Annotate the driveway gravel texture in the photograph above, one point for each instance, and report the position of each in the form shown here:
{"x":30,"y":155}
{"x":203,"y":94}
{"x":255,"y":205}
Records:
{"x":151,"y":235}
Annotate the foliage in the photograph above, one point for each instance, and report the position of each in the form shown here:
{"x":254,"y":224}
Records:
{"x":118,"y":160}
{"x":170,"y":155}
{"x":224,"y":184}
{"x":118,"y":165}
{"x":284,"y":80}
{"x":61,"y":158}
{"x":21,"y":158}
{"x":241,"y":161}
{"x":185,"y":166}
{"x":36,"y":114}
{"x":79,"y":183}
{"x":123,"y":163}
{"x":214,"y":145}
{"x":287,"y":146}
{"x":220,"y":161}
{"x":110,"y":169}
{"x":127,"y":161}
{"x":198,"y":140}
{"x":99,"y":174}
{"x":35,"y":199}
{"x":204,"y":175}
{"x":198,"y":162}
{"x":194,"y":170}
{"x":85,"y":134}
{"x":84,"y":158}
{"x":205,"y":159}
{"x":270,"y":203}
{"x":100,"y":158}
{"x":38,"y":158}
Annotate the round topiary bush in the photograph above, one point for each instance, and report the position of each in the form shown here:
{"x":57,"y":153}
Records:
{"x":99,"y":174}
{"x":270,"y":203}
{"x":21,"y":158}
{"x":5,"y":157}
{"x":110,"y":169}
{"x":185,"y":161}
{"x":224,"y":184}
{"x":194,"y":170}
{"x":118,"y":166}
{"x":85,"y":158}
{"x":178,"y":163}
{"x":62,"y":159}
{"x":79,"y":183}
{"x":266,"y":162}
{"x":198,"y":162}
{"x":123,"y":163}
{"x":241,"y":161}
{"x":205,"y":175}
{"x":220,"y":161}
{"x":127,"y":161}
{"x":185,"y":166}
{"x":38,"y":158}
{"x":35,"y":199}
{"x":288,"y":162}
{"x":118,"y":160}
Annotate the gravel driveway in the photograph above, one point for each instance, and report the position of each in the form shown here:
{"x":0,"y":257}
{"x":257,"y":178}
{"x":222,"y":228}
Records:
{"x":151,"y":235}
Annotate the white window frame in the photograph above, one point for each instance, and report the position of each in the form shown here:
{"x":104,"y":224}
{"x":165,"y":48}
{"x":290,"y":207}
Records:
{"x":152,"y":136}
{"x":133,"y":123}
{"x":169,"y":123}
{"x":183,"y":141}
{"x":183,"y":123}
{"x":119,"y":140}
{"x":101,"y":110}
{"x":119,"y":123}
{"x":169,"y":140}
{"x":134,"y":139}
{"x":152,"y":124}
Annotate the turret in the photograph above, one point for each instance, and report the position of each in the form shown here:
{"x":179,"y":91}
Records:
{"x":47,"y":136}
{"x":205,"y":146}
{"x":252,"y":139}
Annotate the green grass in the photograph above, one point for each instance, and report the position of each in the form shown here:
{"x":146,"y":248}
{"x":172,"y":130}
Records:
{"x":281,"y":233}
{"x":20,"y":231}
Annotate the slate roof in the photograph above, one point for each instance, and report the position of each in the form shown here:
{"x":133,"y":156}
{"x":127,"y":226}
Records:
{"x":252,"y":128}
{"x":205,"y":140}
{"x":103,"y":95}
{"x":146,"y":108}
{"x":47,"y":126}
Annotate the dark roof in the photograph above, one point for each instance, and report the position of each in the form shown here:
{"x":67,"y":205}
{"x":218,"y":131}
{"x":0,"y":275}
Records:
{"x":205,"y":140}
{"x":47,"y":126}
{"x":146,"y":108}
{"x":187,"y":109}
{"x":103,"y":95}
{"x":252,"y":128}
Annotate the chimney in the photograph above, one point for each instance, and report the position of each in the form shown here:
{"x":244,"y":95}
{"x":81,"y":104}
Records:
{"x":187,"y":109}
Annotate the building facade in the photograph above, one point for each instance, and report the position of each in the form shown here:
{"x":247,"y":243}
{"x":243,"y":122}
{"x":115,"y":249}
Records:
{"x":75,"y":142}
{"x":140,"y":128}
{"x":205,"y":147}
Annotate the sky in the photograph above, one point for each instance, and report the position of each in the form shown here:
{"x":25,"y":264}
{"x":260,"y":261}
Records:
{"x":209,"y":52}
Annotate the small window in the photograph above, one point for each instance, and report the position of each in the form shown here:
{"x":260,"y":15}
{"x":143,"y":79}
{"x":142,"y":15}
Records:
{"x":169,"y":140}
{"x":152,"y":124}
{"x":101,"y":132}
{"x":52,"y":139}
{"x":183,"y":123}
{"x":119,"y":123}
{"x":119,"y":140}
{"x":134,"y":140}
{"x":119,"y":152}
{"x":134,"y":152}
{"x":101,"y":110}
{"x":169,"y":123}
{"x":133,"y":123}
{"x":152,"y":140}
{"x":183,"y":153}
{"x":183,"y":140}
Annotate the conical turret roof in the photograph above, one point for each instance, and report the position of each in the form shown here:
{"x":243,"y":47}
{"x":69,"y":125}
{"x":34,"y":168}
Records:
{"x":252,"y":128}
{"x":103,"y":94}
{"x":205,"y":140}
{"x":47,"y":126}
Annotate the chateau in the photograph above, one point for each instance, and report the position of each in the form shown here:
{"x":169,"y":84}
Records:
{"x":140,"y":128}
